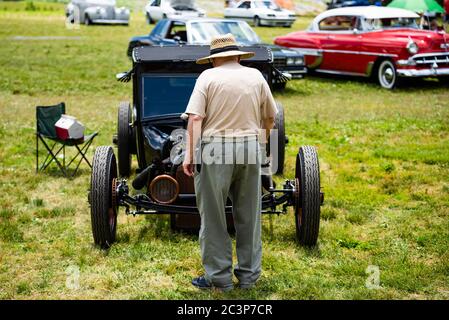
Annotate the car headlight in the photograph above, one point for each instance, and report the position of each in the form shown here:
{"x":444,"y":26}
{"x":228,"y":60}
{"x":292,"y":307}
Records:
{"x":299,"y":61}
{"x":412,"y":47}
{"x":290,"y":61}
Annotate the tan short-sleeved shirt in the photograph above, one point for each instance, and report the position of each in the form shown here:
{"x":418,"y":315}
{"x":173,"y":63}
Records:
{"x":233,"y":100}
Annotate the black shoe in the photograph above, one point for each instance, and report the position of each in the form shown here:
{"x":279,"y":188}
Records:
{"x":246,"y":286}
{"x":203,"y":284}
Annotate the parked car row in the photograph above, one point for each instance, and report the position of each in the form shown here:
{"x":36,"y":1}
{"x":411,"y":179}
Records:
{"x":384,"y":43}
{"x":258,"y":12}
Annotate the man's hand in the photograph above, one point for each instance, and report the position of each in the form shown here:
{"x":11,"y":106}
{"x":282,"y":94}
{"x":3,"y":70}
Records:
{"x":188,"y":168}
{"x":193,"y":135}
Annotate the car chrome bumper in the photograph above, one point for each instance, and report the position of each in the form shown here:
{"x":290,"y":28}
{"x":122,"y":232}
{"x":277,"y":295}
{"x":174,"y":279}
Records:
{"x":297,"y":74}
{"x":276,"y":22}
{"x":107,"y":21}
{"x":433,"y":72}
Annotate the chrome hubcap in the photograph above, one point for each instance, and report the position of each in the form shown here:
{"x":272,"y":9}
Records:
{"x":389,"y":75}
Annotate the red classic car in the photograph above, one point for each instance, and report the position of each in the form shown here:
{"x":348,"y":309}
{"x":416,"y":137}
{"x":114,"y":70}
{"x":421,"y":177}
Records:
{"x":382,"y":42}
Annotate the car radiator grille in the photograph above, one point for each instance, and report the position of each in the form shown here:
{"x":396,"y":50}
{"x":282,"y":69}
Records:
{"x":280,"y":62}
{"x":430,"y":60}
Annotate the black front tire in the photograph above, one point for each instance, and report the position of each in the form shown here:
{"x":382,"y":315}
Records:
{"x":102,"y":209}
{"x":308,"y":197}
{"x":124,"y":136}
{"x":281,"y":140}
{"x":87,"y":20}
{"x":256,"y":21}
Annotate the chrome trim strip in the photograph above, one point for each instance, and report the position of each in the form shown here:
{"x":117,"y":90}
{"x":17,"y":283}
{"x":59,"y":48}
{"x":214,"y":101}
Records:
{"x":430,"y":54}
{"x":341,"y":73}
{"x":423,"y":73}
{"x":318,"y":52}
{"x":308,"y":51}
{"x":433,"y":61}
{"x":362,"y":53}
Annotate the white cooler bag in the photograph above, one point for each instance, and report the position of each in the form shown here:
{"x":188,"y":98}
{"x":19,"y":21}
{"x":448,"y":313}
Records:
{"x":68,"y":127}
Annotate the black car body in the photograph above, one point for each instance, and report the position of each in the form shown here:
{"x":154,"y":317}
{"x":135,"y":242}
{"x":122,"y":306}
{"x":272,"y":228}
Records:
{"x":176,"y":32}
{"x":152,"y":127}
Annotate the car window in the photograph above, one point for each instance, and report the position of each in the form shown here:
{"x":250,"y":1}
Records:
{"x":388,"y":23}
{"x":203,"y":32}
{"x":265,"y":5}
{"x":177,"y":29}
{"x":166,"y":93}
{"x":156,"y":3}
{"x":245,"y":5}
{"x":339,"y":23}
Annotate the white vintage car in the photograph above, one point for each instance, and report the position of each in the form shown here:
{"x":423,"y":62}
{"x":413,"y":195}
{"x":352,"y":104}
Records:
{"x":157,"y":10}
{"x":261,"y":12}
{"x":96,"y":12}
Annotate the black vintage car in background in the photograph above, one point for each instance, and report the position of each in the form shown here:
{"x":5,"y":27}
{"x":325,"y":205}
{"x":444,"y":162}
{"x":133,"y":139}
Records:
{"x":151,"y":127}
{"x":200,"y":31}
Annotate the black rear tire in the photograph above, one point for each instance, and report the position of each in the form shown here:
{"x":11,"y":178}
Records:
{"x":124,"y":137}
{"x":102,"y":209}
{"x":308,"y":198}
{"x":149,"y":20}
{"x":256,"y":21}
{"x":280,"y":126}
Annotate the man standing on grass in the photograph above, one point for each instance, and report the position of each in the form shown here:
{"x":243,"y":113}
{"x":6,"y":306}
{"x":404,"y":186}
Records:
{"x":228,"y":107}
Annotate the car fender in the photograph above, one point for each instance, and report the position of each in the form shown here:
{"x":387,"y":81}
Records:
{"x":92,"y":12}
{"x":303,"y":43}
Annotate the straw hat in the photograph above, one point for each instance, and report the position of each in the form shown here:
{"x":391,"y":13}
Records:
{"x":224,"y":46}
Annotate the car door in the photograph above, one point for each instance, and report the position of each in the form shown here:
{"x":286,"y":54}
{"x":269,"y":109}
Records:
{"x":341,"y":40}
{"x":242,"y":11}
{"x":155,"y":10}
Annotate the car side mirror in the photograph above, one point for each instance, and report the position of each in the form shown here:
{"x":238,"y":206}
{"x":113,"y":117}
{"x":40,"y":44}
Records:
{"x":177,"y":38}
{"x":120,"y":75}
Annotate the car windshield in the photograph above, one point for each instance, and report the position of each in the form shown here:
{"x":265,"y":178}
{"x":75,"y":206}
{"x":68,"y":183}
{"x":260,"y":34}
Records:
{"x":391,"y":23}
{"x":266,"y":5}
{"x":203,"y":32}
{"x":165,"y":94}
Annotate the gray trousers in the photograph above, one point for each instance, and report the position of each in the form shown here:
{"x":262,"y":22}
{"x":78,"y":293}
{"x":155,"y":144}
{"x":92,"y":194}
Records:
{"x":239,"y":179}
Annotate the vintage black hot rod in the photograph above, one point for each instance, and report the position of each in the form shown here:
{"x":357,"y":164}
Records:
{"x":152,"y":129}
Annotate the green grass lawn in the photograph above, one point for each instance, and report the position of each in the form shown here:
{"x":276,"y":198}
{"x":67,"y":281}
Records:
{"x":384,"y":159}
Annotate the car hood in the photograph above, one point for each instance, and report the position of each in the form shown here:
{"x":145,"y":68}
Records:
{"x":140,"y":38}
{"x":434,"y":41}
{"x":282,"y":51}
{"x":183,"y":2}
